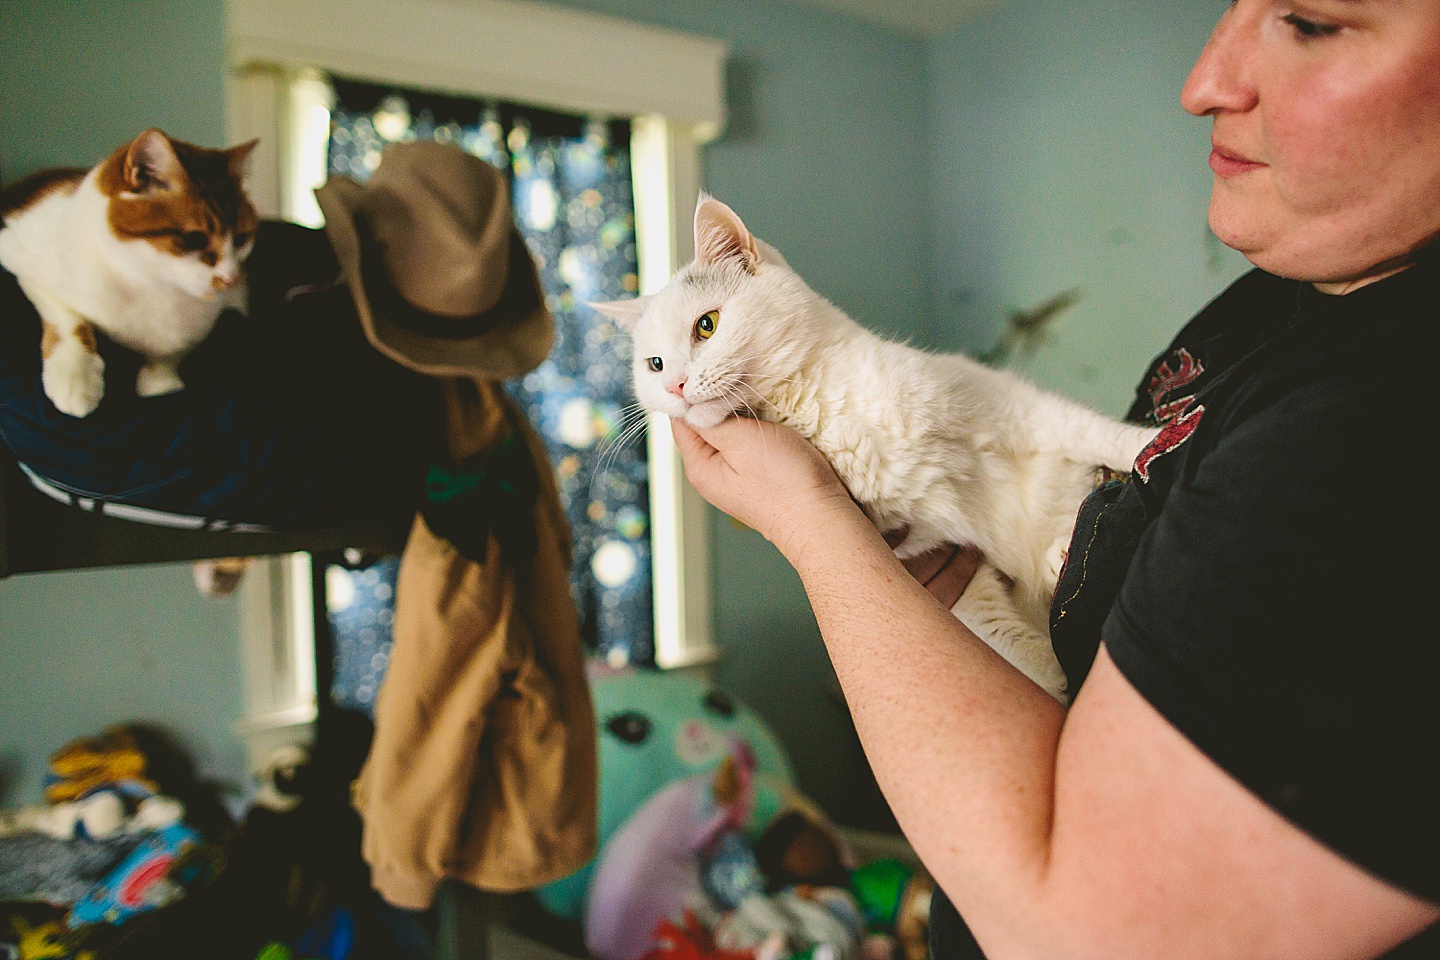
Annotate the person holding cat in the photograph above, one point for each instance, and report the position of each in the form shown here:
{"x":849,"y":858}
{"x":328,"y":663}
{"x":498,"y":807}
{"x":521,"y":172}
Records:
{"x":1242,"y":771}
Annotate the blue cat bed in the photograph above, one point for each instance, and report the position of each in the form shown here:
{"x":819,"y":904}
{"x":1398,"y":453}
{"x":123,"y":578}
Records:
{"x":290,"y":421}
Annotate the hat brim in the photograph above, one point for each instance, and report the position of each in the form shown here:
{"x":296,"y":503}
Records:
{"x":513,"y":338}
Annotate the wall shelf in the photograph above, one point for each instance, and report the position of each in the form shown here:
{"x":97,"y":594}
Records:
{"x":38,"y":533}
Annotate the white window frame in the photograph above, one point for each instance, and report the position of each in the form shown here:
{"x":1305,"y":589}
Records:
{"x":670,"y":84}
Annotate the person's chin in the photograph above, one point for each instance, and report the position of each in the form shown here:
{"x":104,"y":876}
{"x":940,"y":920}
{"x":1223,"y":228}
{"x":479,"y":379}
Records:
{"x":1235,"y":228}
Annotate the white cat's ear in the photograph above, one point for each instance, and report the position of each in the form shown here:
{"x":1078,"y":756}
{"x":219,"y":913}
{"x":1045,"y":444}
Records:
{"x":623,"y":312}
{"x":151,"y":163}
{"x":239,"y":158}
{"x":721,"y":236}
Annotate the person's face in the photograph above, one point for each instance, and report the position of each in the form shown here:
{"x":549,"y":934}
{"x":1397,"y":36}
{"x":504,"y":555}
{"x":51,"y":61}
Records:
{"x":1326,"y":134}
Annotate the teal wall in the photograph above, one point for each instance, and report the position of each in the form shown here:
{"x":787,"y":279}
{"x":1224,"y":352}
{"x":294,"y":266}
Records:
{"x":926,"y":186}
{"x":1060,"y":158}
{"x":82,"y":650}
{"x":81,"y":77}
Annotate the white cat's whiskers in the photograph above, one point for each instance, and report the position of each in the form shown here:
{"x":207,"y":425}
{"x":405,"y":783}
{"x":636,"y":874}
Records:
{"x":762,"y":398}
{"x":632,"y":423}
{"x":728,"y":391}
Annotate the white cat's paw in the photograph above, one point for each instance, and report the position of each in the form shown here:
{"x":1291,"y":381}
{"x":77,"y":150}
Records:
{"x":157,"y":379}
{"x":1041,"y":666}
{"x":74,"y":378}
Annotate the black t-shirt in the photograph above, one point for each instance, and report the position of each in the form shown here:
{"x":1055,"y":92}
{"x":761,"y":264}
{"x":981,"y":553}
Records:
{"x":1261,"y":577}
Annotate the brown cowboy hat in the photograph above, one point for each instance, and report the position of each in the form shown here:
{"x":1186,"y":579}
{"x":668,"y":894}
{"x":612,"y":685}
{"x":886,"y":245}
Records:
{"x":441,"y":280}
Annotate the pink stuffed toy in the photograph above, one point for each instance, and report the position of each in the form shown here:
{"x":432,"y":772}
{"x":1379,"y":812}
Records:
{"x":649,"y":871}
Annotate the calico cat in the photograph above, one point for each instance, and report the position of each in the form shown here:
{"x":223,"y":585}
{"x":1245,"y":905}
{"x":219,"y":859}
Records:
{"x":148,"y":247}
{"x":936,"y":444}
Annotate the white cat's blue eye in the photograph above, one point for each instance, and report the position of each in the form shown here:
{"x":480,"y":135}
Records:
{"x":656,"y":364}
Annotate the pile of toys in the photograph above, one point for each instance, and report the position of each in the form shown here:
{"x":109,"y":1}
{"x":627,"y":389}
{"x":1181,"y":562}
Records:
{"x":714,"y":854}
{"x":103,"y":847}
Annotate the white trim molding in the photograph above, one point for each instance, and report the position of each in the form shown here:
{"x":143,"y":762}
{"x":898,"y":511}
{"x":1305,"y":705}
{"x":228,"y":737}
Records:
{"x":670,"y":85}
{"x":541,"y":55}
{"x":665,"y":168}
{"x":277,"y":629}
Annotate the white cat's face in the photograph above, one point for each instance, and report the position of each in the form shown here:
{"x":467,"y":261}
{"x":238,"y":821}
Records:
{"x":723,"y":332}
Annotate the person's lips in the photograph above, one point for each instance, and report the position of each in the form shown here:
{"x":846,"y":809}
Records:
{"x":1228,"y":163}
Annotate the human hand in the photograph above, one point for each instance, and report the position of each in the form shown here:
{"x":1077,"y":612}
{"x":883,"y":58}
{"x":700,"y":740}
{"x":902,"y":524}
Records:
{"x":766,"y":476}
{"x":945,"y":571}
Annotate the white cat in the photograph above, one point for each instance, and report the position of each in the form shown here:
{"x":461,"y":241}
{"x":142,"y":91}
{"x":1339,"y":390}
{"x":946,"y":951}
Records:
{"x":147,"y":246}
{"x":955,"y":451}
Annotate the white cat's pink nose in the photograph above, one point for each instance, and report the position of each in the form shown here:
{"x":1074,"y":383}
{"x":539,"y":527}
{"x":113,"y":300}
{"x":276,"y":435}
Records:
{"x":677,"y":388}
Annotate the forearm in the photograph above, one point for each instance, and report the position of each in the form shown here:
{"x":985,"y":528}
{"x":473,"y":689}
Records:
{"x":963,"y":745}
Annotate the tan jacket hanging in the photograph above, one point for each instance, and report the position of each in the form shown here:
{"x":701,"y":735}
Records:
{"x":483,"y":766}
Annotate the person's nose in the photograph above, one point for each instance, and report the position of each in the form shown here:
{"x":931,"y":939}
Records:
{"x":1222,"y":79}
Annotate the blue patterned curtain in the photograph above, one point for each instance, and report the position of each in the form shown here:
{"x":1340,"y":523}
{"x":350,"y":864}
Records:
{"x":572,"y":199}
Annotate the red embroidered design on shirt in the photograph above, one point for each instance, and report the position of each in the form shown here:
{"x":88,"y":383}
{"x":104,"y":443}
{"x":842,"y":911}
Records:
{"x":1176,"y":432}
{"x":1167,"y":381}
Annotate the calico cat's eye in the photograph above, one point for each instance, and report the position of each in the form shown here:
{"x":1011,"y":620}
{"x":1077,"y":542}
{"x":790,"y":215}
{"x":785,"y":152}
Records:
{"x":193,"y":240}
{"x":241,"y":239}
{"x":705,"y":326}
{"x":655,"y":364}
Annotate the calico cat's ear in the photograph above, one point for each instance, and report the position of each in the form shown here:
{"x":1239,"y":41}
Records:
{"x":623,"y":312}
{"x":151,"y":163}
{"x":721,"y":236}
{"x":239,"y":158}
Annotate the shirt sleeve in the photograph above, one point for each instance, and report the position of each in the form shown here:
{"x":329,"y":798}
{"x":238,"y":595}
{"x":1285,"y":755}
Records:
{"x":1275,"y":612}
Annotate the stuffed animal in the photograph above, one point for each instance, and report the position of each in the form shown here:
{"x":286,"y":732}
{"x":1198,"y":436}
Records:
{"x":895,"y":898}
{"x":139,"y":882}
{"x":825,"y":921}
{"x":690,"y":941}
{"x":48,"y":941}
{"x":111,"y":760}
{"x":656,"y":728}
{"x":649,"y":871}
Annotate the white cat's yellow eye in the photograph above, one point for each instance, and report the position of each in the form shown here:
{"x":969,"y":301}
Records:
{"x":705,"y":326}
{"x":655,"y":364}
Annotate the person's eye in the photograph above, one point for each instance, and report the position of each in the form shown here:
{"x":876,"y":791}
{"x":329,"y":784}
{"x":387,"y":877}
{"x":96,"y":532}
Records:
{"x":1307,"y":29}
{"x":655,"y":364}
{"x":705,"y":327}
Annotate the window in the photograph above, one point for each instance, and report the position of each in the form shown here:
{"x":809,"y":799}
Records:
{"x":670,"y":84}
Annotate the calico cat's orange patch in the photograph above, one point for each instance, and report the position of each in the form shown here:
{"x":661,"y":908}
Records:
{"x":85,"y":333}
{"x":190,"y":208}
{"x":50,"y":339}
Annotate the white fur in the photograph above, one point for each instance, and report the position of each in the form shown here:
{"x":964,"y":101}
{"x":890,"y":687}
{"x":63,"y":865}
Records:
{"x":75,"y":269}
{"x":956,"y":451}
